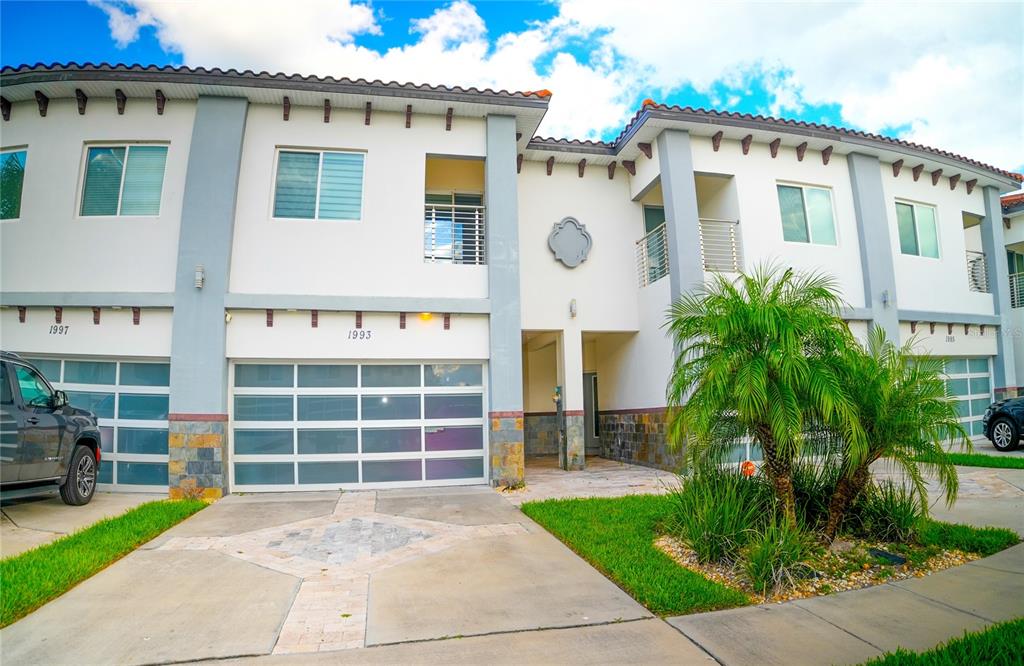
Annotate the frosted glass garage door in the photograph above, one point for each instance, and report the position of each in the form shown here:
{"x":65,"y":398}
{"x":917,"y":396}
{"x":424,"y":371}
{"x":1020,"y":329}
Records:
{"x":130,"y":399}
{"x":969,"y":381}
{"x":320,"y":426}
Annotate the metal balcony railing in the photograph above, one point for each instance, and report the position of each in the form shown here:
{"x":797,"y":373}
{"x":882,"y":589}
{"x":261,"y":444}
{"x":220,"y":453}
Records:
{"x":652,"y":257}
{"x":977,"y":272}
{"x":454,"y":234}
{"x":720,"y":245}
{"x":1017,"y":290}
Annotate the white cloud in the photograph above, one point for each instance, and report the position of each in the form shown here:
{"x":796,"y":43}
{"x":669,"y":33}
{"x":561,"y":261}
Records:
{"x":943,"y":74}
{"x":940,"y":74}
{"x":450,"y":46}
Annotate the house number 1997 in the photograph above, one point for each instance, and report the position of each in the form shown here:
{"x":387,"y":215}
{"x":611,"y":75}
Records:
{"x":359,"y":334}
{"x":60,"y":329}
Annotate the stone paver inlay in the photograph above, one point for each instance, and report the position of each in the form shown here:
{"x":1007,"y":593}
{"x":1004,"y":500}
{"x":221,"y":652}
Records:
{"x":334,"y":557}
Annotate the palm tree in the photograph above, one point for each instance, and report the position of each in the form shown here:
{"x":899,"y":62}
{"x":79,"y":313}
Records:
{"x":907,"y":418}
{"x":759,"y":353}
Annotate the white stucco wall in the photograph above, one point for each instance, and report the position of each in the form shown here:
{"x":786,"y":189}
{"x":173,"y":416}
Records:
{"x":540,"y":376}
{"x":336,"y":337}
{"x":381,"y":255}
{"x":52,"y":248}
{"x":633,"y":369}
{"x":957,"y":343}
{"x":1016,"y":334}
{"x":115,"y":335}
{"x":923,"y":283}
{"x":755,"y":177}
{"x":604,"y":285}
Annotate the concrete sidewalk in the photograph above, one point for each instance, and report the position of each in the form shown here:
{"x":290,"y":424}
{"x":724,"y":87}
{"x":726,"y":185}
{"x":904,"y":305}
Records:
{"x":852,"y":627}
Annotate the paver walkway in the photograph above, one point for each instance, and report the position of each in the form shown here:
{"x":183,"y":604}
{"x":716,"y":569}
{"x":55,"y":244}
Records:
{"x":601,"y":478}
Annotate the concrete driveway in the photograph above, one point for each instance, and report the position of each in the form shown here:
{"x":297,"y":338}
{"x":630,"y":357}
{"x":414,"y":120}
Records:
{"x":32,"y":521}
{"x":296,"y":574}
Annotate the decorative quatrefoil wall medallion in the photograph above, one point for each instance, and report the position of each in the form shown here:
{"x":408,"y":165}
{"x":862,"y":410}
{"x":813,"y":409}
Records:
{"x":570,"y":242}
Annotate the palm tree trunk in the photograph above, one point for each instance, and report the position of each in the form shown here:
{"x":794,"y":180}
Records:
{"x":847,"y":490}
{"x":779,"y":472}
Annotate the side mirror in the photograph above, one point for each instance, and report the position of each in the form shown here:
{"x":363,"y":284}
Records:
{"x":60,"y":399}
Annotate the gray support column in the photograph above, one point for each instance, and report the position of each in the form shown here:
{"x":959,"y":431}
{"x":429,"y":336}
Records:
{"x":506,"y":364}
{"x":1004,"y":375}
{"x":198,"y":402}
{"x":682,"y":226}
{"x":870,"y":206}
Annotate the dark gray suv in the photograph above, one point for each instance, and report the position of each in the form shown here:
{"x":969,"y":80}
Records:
{"x":44,"y":441}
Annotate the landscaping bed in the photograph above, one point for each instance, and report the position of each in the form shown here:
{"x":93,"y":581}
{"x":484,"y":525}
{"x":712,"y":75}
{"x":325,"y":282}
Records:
{"x":37,"y":576}
{"x":634,"y":540}
{"x":827,"y":571}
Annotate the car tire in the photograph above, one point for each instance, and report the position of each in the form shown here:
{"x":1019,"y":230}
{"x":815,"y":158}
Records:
{"x":1004,"y":434}
{"x":80,"y":485}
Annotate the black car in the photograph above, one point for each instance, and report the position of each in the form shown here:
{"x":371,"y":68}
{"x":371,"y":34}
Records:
{"x":1004,"y":422}
{"x":44,"y":441}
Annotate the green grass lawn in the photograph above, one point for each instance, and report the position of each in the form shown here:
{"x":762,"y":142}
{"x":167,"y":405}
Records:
{"x":983,"y":460}
{"x":999,"y":645}
{"x":982,"y":540}
{"x":34,"y":577}
{"x":616,"y":536}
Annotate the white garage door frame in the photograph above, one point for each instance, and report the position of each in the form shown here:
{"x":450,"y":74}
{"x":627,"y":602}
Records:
{"x":969,"y":381}
{"x":113,"y":427}
{"x":359,"y":424}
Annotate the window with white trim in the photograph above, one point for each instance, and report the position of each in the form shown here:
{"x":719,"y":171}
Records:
{"x":12,"y":179}
{"x":807,"y":215}
{"x":919,"y":233}
{"x":123,"y":180}
{"x":319,"y":185}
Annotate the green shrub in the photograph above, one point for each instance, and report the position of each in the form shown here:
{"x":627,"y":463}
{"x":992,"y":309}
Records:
{"x":774,"y":556}
{"x":888,"y":511}
{"x":714,"y":511}
{"x":982,"y":540}
{"x":814,"y":480}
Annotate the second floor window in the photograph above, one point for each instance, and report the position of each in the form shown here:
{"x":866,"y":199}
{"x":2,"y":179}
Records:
{"x":315,"y":185}
{"x":807,"y":215}
{"x":918,"y":232}
{"x":12,"y":178}
{"x":123,"y":180}
{"x":454,"y":228}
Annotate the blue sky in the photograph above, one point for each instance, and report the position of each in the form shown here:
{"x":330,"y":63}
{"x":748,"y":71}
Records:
{"x":939,"y":75}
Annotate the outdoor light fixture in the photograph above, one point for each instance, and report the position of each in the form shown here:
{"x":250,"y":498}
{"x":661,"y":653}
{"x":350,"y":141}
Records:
{"x":200,"y":276}
{"x":227,"y":317}
{"x":572,"y":308}
{"x":426,"y":316}
{"x":885,"y":298}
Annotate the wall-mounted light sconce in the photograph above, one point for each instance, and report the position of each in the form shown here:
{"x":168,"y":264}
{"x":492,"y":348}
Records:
{"x":227,"y":317}
{"x":885,"y":298}
{"x":572,"y":308}
{"x":200,"y":276}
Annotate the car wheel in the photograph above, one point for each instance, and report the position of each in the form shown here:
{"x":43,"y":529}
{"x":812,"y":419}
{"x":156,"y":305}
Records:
{"x":1004,"y":434}
{"x":80,"y":485}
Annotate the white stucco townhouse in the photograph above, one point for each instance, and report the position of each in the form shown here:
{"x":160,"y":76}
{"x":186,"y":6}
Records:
{"x":269,"y":282}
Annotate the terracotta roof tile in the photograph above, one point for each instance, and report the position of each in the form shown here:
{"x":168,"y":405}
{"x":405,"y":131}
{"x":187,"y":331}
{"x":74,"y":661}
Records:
{"x":783,"y":123}
{"x":264,"y":76}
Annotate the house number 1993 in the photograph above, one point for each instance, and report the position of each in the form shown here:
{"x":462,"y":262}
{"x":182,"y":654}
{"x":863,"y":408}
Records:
{"x":359,"y":334}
